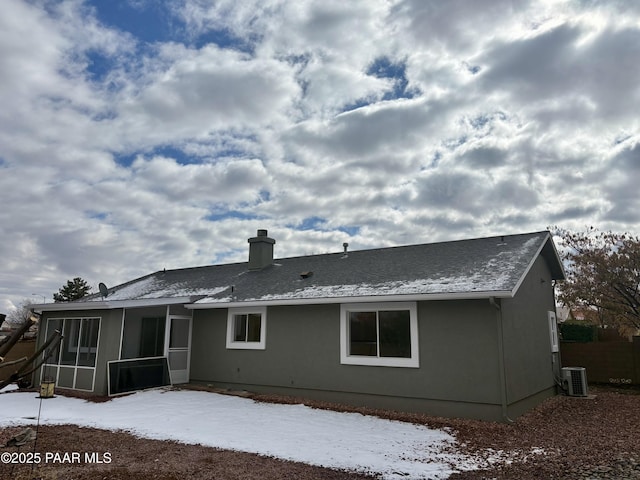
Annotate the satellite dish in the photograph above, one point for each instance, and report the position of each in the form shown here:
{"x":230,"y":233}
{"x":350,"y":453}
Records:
{"x":104,"y":291}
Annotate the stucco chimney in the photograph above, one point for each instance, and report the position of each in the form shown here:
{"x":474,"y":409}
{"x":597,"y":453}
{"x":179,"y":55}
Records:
{"x":260,"y":251}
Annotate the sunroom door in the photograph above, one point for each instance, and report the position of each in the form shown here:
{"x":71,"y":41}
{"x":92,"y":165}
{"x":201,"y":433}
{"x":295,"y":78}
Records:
{"x":179,"y":348}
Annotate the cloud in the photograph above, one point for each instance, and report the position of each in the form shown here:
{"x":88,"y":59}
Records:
{"x":622,"y":185}
{"x":231,"y":183}
{"x":455,"y":25}
{"x":484,"y":157}
{"x":127,"y":147}
{"x":388,"y":127}
{"x":534,"y":68}
{"x":205,"y":90}
{"x":558,"y":65}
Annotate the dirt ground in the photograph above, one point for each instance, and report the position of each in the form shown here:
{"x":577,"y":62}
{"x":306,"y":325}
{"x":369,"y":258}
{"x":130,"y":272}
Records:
{"x":563,"y":438}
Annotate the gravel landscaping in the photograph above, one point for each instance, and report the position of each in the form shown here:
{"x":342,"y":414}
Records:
{"x":564,"y":438}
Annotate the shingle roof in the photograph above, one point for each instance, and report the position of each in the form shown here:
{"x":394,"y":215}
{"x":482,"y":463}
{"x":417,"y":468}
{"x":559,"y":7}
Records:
{"x":492,"y":266}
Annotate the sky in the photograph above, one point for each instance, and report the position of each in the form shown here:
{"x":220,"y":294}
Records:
{"x":137,"y":135}
{"x":349,"y":441}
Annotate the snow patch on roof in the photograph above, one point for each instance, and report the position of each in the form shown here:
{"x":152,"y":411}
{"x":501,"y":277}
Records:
{"x":419,"y":286}
{"x":184,"y":292}
{"x":136,"y":289}
{"x":151,"y":287}
{"x":215,"y":300}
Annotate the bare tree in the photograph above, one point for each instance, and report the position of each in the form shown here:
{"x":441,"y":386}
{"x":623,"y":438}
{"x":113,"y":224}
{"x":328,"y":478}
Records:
{"x":22,"y":313}
{"x":603,"y":274}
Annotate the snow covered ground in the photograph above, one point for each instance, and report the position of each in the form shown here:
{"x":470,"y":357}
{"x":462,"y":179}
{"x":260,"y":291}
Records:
{"x":294,"y":432}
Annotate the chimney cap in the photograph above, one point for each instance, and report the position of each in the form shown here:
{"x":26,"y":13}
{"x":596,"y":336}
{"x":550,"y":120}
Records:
{"x":262,"y":237}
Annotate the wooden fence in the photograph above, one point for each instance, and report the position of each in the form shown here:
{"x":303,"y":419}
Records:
{"x":615,"y":362}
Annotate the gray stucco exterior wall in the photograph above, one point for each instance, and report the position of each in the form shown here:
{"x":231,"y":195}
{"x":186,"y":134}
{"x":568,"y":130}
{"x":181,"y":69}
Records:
{"x":111,"y":328}
{"x":529,"y":362}
{"x":458,"y":375}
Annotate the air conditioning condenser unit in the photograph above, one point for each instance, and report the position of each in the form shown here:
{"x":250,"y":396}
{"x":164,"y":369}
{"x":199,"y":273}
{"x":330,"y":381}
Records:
{"x":575,"y":381}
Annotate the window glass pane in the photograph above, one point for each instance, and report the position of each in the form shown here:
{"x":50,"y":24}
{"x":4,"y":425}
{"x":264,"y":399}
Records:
{"x":88,"y":342}
{"x":71,"y":332}
{"x":363,"y":334}
{"x":127,"y":376}
{"x":52,"y":326}
{"x":395,"y":333}
{"x":240,"y":328}
{"x":152,"y":337}
{"x":131,"y":337}
{"x":179,"y":335}
{"x":178,"y":360}
{"x":253,"y":328}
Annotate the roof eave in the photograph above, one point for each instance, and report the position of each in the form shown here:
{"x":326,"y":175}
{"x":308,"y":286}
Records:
{"x":112,"y":304}
{"x":560,"y":274}
{"x":557,"y":271}
{"x":362,"y":299}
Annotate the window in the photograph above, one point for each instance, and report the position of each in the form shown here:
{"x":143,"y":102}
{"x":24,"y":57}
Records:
{"x":70,"y":341}
{"x":80,"y":341}
{"x":74,"y":358}
{"x":246,"y":328}
{"x":53,"y":324}
{"x":143,"y":332}
{"x":88,"y":345}
{"x":379,"y":334}
{"x":152,"y":337}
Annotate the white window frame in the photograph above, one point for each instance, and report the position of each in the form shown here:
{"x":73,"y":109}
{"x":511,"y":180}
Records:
{"x":72,"y":342}
{"x":346,"y":359}
{"x":553,"y":331}
{"x":77,"y":349}
{"x":232,"y":344}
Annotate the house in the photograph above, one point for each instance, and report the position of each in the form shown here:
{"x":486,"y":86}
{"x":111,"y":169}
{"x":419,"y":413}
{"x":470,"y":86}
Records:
{"x":462,"y":328}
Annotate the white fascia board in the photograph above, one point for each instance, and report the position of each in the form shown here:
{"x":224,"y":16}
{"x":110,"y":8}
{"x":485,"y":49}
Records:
{"x":530,"y":266}
{"x":370,"y":298}
{"x":57,"y":307}
{"x":149,"y":302}
{"x":110,"y":305}
{"x":558,"y":258}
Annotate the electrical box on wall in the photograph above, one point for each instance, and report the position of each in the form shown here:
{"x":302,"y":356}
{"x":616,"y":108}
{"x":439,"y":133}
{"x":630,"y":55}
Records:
{"x":553,"y":332}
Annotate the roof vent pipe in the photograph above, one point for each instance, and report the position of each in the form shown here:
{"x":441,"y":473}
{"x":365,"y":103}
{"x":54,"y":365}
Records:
{"x":345,"y":245}
{"x":260,"y":251}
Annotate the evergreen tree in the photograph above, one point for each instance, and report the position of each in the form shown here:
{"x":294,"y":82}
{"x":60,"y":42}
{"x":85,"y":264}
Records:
{"x":73,"y":290}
